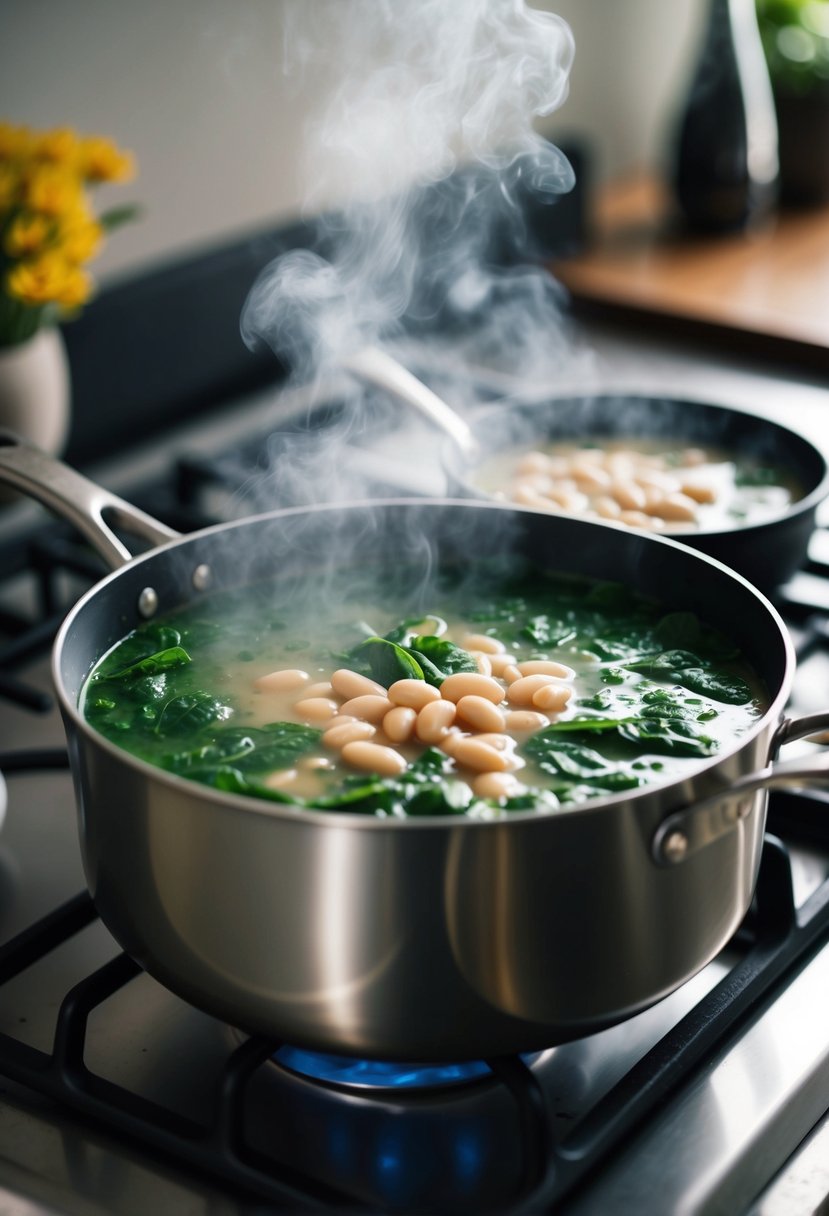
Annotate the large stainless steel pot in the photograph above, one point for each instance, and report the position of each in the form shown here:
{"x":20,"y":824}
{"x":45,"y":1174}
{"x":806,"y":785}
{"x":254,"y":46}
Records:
{"x":412,"y":939}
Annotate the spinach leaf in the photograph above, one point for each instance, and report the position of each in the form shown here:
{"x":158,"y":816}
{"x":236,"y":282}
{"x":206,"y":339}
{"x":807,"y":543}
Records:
{"x":578,"y":764}
{"x":425,"y":657}
{"x":581,"y":722}
{"x":687,"y":669}
{"x":406,"y":630}
{"x":387,"y":661}
{"x":730,"y":689}
{"x":445,"y":657}
{"x":547,"y":632}
{"x":261,"y":749}
{"x":190,"y":712}
{"x":668,"y":736}
{"x":140,"y":644}
{"x":655,"y":723}
{"x":151,"y":665}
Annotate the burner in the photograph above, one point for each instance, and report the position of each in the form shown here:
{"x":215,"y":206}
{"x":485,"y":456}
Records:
{"x":378,"y":1074}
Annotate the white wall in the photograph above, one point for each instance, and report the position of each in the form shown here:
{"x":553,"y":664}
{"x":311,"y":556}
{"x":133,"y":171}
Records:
{"x":196,"y":89}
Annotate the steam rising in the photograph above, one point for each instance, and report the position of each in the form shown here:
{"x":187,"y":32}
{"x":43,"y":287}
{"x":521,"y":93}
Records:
{"x":428,"y":131}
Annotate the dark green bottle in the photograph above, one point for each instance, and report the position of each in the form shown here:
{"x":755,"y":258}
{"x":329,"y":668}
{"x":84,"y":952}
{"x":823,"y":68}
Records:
{"x":726,"y":164}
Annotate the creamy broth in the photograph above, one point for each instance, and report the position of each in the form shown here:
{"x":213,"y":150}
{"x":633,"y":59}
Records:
{"x":548,"y":691}
{"x":665,"y":486}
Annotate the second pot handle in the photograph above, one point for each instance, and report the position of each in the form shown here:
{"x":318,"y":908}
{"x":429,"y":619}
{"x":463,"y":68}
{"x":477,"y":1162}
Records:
{"x":687,"y":831}
{"x":78,"y":500}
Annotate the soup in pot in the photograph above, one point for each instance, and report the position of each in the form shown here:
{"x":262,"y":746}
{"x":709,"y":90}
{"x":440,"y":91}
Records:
{"x":652,"y":484}
{"x":533,"y":692}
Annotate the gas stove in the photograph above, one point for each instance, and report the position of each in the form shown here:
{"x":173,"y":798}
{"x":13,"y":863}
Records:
{"x":116,"y":1097}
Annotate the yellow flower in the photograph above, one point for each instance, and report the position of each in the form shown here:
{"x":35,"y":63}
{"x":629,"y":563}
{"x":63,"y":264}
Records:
{"x":14,"y":141}
{"x":9,"y":185}
{"x":75,"y":290}
{"x":51,"y":190}
{"x":27,"y":234}
{"x":103,"y":161}
{"x":59,"y":147}
{"x":48,"y":226}
{"x":49,"y":279}
{"x":79,"y":238}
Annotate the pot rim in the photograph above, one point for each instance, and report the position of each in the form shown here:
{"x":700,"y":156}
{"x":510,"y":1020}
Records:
{"x":354,"y":820}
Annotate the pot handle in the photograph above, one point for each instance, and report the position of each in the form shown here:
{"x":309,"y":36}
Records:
{"x":76,"y":499}
{"x":685,"y":832}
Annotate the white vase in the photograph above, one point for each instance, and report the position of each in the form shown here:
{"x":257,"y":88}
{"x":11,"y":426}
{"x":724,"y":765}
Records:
{"x":35,"y":390}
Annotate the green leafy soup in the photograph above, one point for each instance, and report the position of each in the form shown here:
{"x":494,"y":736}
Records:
{"x":530,"y":693}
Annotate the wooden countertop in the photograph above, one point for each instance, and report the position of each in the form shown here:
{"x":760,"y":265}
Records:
{"x":771,"y":284}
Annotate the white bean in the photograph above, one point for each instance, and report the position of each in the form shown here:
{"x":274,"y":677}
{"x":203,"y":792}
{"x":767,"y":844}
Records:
{"x":472,"y":753}
{"x":569,"y":500}
{"x":482,"y":641}
{"x":399,"y":723}
{"x":374,"y":758}
{"x":369,"y":708}
{"x":552,"y":698}
{"x":340,"y":733}
{"x":451,"y":740}
{"x":315,"y":763}
{"x":499,"y":663}
{"x":468,"y":683}
{"x":483,"y":661}
{"x":496,"y":785}
{"x":590,"y":479}
{"x":628,"y":495}
{"x":546,"y":667}
{"x":524,"y":721}
{"x":349,"y":684}
{"x":480,"y":713}
{"x":275,"y":781}
{"x":521,"y":691}
{"x":637,"y":519}
{"x":322,"y":689}
{"x":282,"y":681}
{"x":607,"y":507}
{"x":675,"y":507}
{"x":414,"y":693}
{"x":698,"y":492}
{"x":434,"y":721}
{"x":498,"y":740}
{"x":527,"y":496}
{"x":315,"y":709}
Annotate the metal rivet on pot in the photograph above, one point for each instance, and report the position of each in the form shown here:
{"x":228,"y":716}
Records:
{"x":202,"y":577}
{"x":148,"y":602}
{"x":675,"y":846}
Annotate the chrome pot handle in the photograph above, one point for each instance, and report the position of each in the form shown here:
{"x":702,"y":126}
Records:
{"x":380,"y":369}
{"x":685,"y":832}
{"x":78,"y":500}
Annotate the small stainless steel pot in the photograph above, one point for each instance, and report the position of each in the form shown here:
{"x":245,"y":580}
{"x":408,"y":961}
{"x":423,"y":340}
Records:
{"x":412,"y":939}
{"x":766,"y":553}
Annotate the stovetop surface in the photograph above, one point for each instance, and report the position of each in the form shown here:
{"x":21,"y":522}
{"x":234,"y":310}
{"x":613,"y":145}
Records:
{"x":711,"y":1137}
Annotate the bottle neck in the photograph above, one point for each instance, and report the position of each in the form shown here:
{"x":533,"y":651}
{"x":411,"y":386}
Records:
{"x":739,"y":19}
